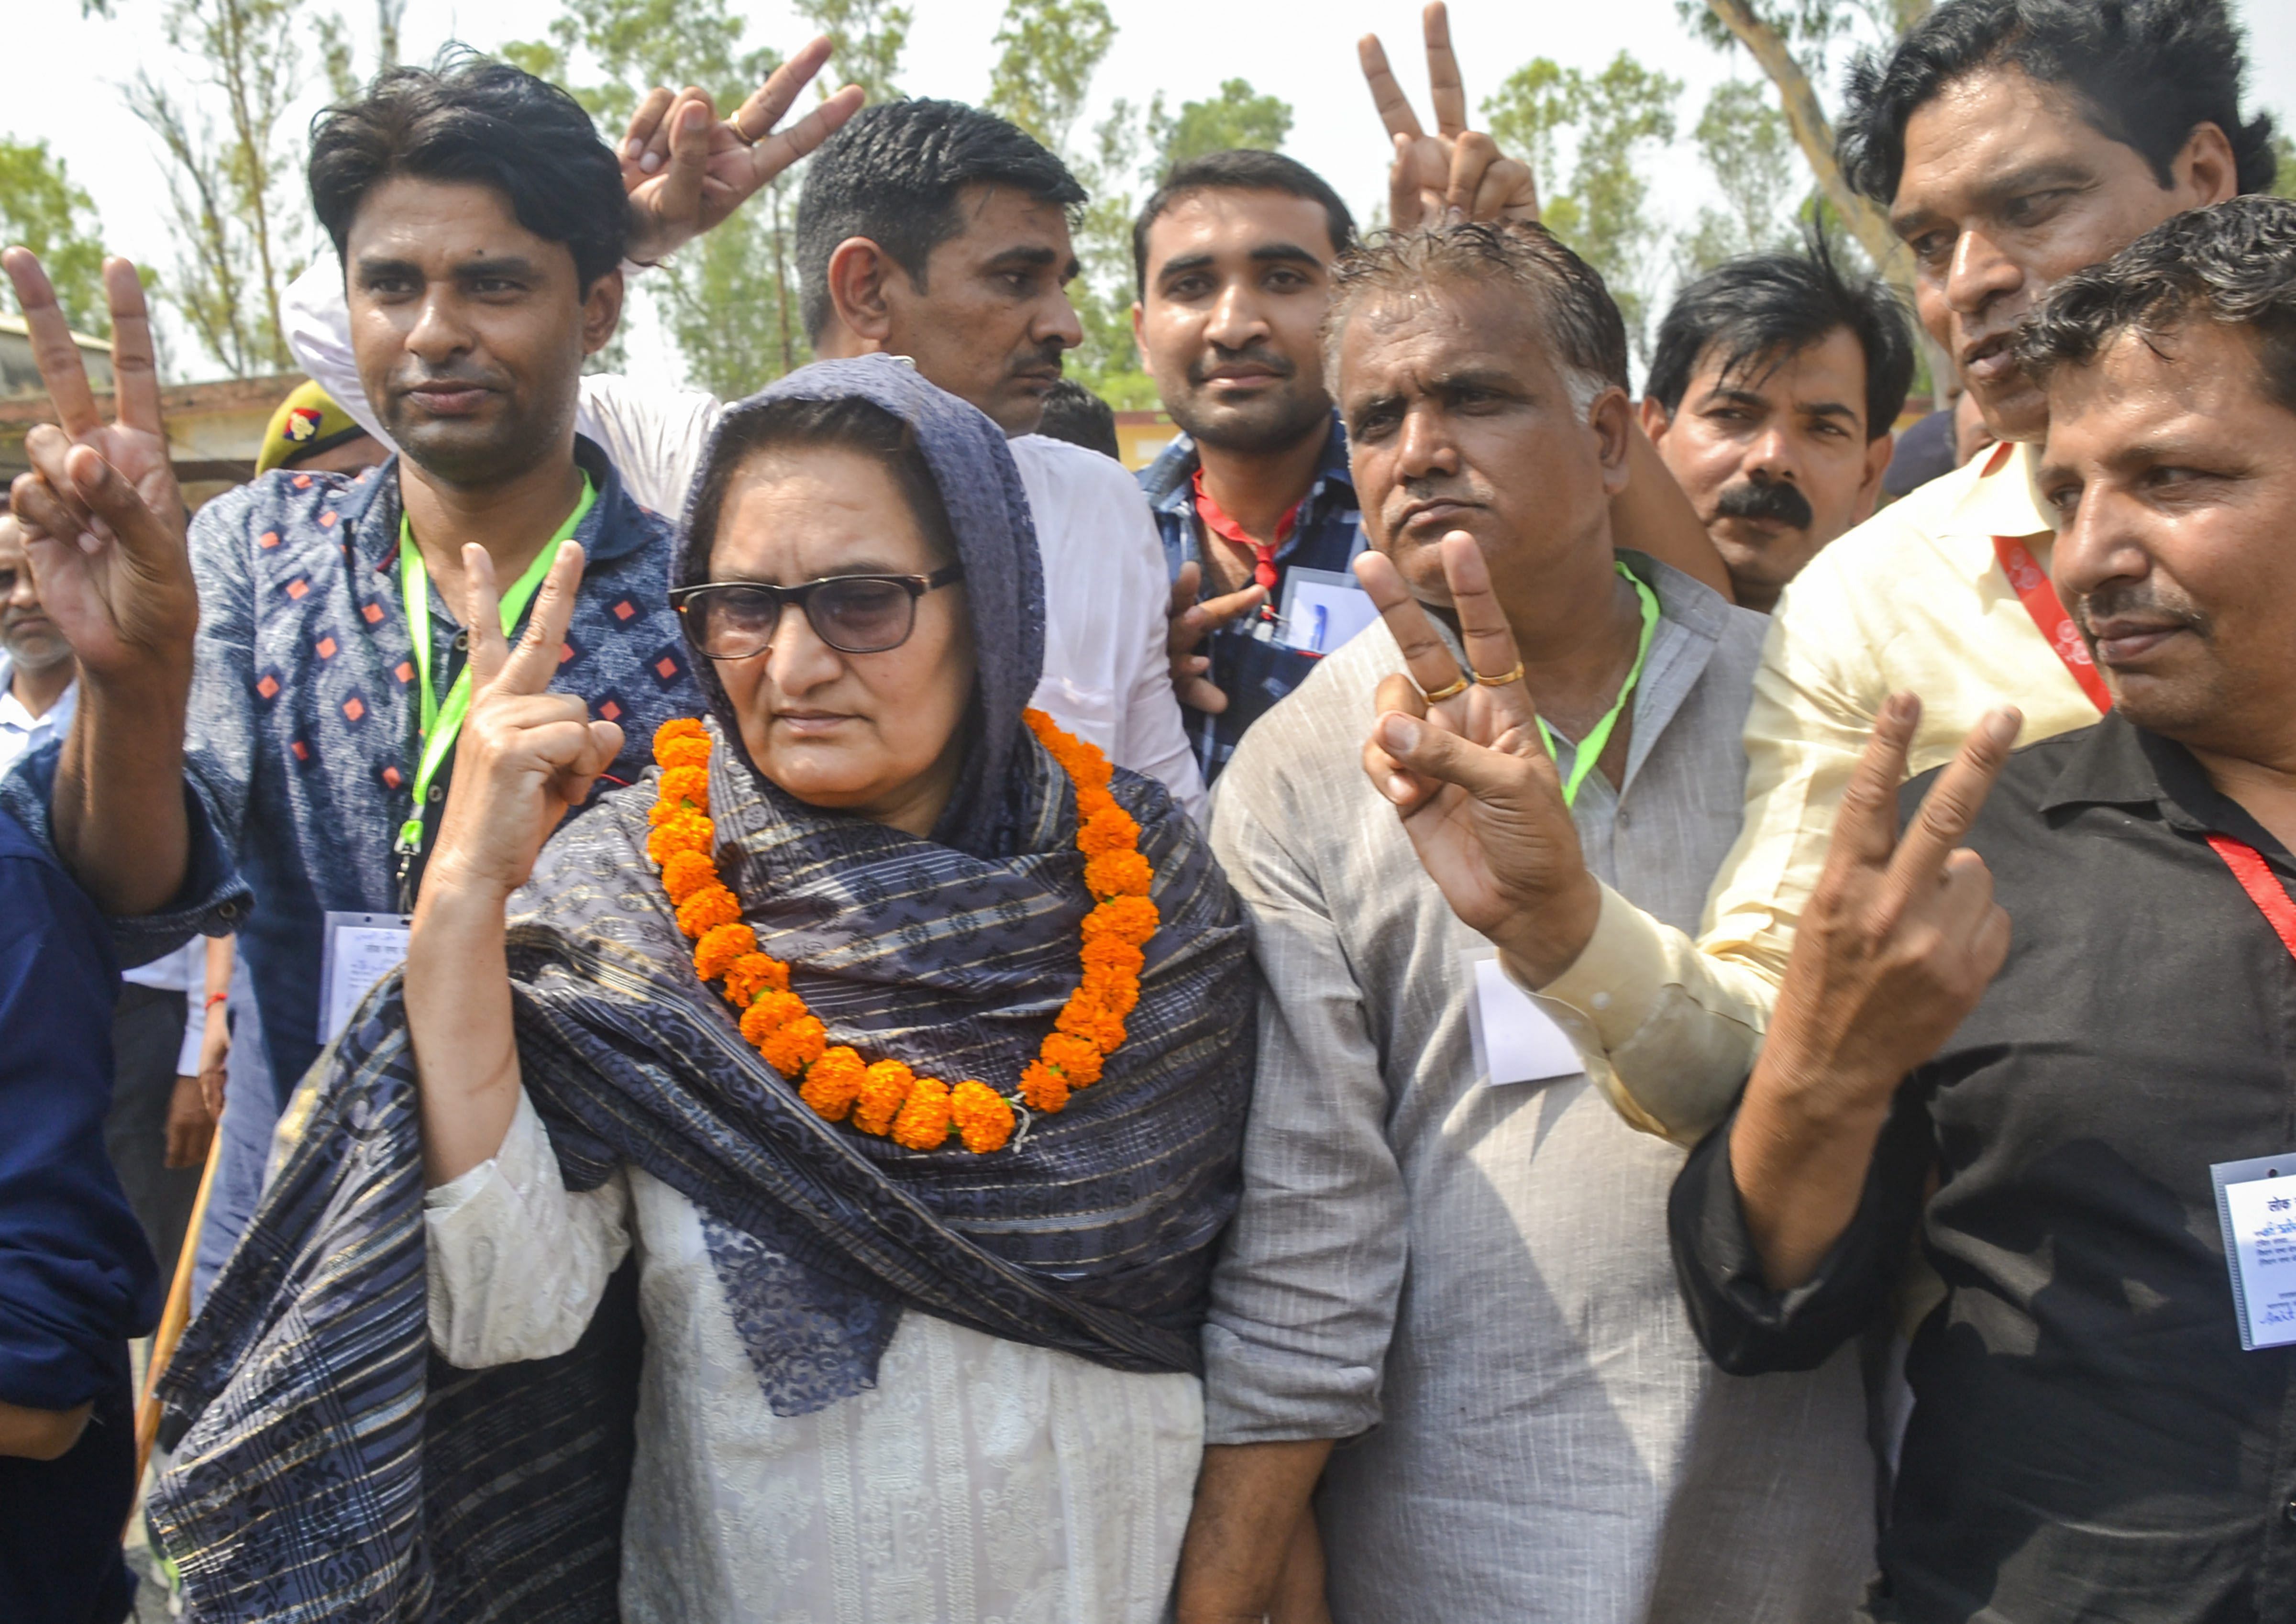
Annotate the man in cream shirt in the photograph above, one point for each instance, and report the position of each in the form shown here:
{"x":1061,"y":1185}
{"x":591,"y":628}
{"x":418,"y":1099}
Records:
{"x":1999,"y":180}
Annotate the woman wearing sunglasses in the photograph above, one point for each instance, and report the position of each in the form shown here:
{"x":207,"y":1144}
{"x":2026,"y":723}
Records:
{"x":901,"y":1045}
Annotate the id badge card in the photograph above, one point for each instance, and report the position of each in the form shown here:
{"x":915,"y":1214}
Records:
{"x":1322,"y":609}
{"x":361,"y":949}
{"x":2256,"y":1203}
{"x":1516,"y":1040}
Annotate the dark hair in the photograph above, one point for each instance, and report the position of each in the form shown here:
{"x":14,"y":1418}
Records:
{"x":2233,"y":263}
{"x":1580,"y":319}
{"x":2144,"y":72}
{"x":1239,"y":170}
{"x":471,"y":119}
{"x":844,"y":422}
{"x":1074,"y":414}
{"x":892,"y":175}
{"x":1755,"y":313}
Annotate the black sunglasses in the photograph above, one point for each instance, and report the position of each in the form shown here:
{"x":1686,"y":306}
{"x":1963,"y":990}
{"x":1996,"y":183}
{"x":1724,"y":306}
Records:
{"x":853,"y":614}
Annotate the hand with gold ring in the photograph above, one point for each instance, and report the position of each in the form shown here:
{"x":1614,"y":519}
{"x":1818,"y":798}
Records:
{"x":1458,"y":754}
{"x":685,"y":170}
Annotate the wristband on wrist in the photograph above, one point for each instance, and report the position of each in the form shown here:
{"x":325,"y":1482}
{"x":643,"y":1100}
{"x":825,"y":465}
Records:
{"x":215,"y":998}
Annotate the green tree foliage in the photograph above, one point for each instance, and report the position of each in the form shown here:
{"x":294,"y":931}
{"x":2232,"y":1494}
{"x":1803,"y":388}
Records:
{"x":1238,"y":117}
{"x":1047,"y":52}
{"x":1749,"y":149}
{"x":866,"y":38}
{"x":238,"y":213}
{"x":1609,"y":122}
{"x":42,"y":210}
{"x":2283,"y":179}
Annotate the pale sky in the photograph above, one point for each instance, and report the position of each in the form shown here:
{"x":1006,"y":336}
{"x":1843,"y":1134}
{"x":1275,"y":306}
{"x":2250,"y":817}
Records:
{"x":66,"y":85}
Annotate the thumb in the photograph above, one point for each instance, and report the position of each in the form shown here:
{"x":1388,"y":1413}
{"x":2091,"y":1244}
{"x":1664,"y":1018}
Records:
{"x":150,"y":539}
{"x":1492,"y":776}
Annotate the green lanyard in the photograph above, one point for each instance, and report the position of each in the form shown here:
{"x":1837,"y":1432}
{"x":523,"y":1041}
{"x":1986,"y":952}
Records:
{"x":442,"y":722}
{"x":1590,"y":747}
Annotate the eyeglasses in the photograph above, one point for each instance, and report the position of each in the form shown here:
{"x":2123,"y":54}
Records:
{"x":853,"y":614}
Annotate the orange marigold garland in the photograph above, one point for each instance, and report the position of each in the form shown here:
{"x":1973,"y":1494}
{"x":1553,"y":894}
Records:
{"x":887,"y":1098}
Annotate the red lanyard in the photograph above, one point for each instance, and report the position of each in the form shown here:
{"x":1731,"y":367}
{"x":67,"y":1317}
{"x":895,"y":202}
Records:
{"x":2030,"y":583}
{"x":1263,"y":555}
{"x":2262,"y":885}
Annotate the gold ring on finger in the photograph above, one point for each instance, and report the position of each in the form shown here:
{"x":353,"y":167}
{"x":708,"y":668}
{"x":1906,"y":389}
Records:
{"x":1503,"y":679}
{"x":1449,"y":690}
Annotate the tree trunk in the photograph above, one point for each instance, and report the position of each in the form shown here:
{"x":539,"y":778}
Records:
{"x":1812,"y":131}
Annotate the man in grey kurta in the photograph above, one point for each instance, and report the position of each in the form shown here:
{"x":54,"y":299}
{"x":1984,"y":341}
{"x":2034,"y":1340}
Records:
{"x":1469,"y":1283}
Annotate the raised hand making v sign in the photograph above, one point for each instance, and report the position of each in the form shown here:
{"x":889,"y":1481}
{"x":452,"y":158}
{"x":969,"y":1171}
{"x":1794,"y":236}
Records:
{"x":527,"y":757}
{"x":1457,"y":174}
{"x":103,"y":529}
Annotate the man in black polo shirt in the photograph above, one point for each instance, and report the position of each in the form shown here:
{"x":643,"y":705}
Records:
{"x":2087,"y":1112}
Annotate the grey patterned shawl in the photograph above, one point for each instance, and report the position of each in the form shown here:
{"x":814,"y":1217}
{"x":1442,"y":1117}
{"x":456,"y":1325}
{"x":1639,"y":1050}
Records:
{"x":327,"y":1466}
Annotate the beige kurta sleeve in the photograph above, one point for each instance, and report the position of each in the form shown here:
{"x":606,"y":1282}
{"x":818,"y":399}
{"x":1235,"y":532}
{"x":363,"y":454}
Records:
{"x":1668,"y":1028}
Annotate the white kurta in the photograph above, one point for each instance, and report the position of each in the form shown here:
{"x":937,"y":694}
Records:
{"x":981,"y":1482}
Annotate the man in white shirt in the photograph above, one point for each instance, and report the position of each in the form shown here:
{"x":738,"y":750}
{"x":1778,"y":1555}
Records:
{"x":158,"y":1127}
{"x":934,"y":231}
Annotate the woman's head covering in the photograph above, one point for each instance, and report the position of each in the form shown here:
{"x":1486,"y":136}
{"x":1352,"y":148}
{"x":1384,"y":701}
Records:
{"x":996,"y":542}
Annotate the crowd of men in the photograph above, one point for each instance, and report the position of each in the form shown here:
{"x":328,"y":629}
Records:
{"x":1605,"y":779}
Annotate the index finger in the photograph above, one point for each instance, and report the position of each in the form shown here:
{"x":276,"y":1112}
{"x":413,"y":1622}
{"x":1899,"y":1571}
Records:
{"x":52,"y":350}
{"x":1952,"y":802}
{"x":1386,"y":95}
{"x":783,"y":148}
{"x":134,"y":364}
{"x":1865,"y":823}
{"x":1444,"y":85}
{"x":1425,"y":655}
{"x":535,"y":660}
{"x":482,"y":617}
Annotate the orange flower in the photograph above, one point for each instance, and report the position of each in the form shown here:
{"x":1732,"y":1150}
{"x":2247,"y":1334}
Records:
{"x":1085,"y":1018}
{"x":882,"y":1094}
{"x":1075,"y":1060}
{"x":684,"y":872}
{"x":685,"y":783}
{"x":1118,"y":995}
{"x":1130,"y":919}
{"x":687,"y":831}
{"x":833,"y":1082}
{"x":796,"y":1045}
{"x":770,"y":1013}
{"x":1041,"y":1088}
{"x":982,"y":1116}
{"x":1110,"y":829}
{"x":661,"y":812}
{"x":711,"y":905}
{"x":719,"y":947}
{"x":923,"y":1122}
{"x":1118,"y":874}
{"x":1114,"y":956}
{"x":693,"y":751}
{"x":753,"y":973}
{"x":679,"y":728}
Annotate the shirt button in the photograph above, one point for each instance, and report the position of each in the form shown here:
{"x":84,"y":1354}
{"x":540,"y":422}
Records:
{"x":1601,"y":1000}
{"x":2289,"y":1510}
{"x":462,"y":640}
{"x":437,"y":791}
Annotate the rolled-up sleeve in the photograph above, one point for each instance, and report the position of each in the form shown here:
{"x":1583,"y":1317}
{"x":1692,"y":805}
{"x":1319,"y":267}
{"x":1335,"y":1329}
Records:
{"x":517,"y":1262}
{"x":1305,"y":1295}
{"x":1748,"y":1328}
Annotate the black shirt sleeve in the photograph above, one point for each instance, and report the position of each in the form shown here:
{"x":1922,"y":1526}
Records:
{"x":1749,"y":1329}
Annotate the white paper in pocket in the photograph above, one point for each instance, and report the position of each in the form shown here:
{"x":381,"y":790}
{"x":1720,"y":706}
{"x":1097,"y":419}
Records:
{"x":1516,"y":1040}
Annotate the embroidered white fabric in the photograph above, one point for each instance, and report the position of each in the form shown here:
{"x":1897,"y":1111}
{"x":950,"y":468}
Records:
{"x":981,"y":1482}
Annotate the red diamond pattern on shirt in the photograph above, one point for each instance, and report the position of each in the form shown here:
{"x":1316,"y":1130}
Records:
{"x":354,"y":709}
{"x":268,"y":685}
{"x":297,"y":587}
{"x":267,"y":540}
{"x":373,"y":613}
{"x":624,"y":610}
{"x":327,"y":647}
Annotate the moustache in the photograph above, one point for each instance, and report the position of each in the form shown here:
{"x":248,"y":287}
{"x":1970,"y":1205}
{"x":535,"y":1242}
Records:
{"x":1766,"y":499}
{"x":1041,"y":357}
{"x":2142,"y":598}
{"x":1200,"y":370}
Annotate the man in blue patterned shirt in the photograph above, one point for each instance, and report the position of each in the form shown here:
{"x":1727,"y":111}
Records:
{"x":480,"y":223}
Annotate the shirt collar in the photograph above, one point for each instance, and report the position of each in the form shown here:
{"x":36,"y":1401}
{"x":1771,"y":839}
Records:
{"x":2118,"y":764}
{"x":2001,"y":500}
{"x":13,"y":713}
{"x":615,"y":524}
